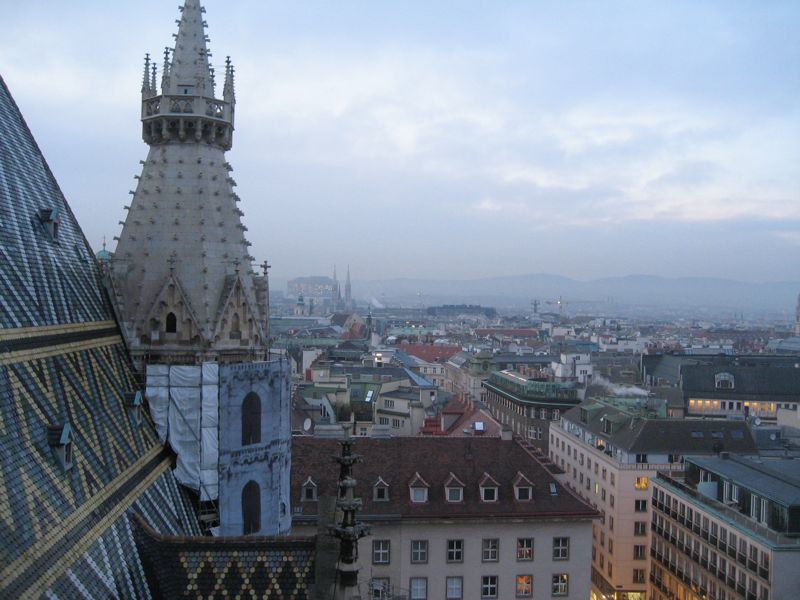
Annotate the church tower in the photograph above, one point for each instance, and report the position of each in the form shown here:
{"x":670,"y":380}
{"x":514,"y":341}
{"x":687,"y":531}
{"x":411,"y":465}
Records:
{"x":797,"y":317}
{"x":348,"y":292}
{"x":182,"y":276}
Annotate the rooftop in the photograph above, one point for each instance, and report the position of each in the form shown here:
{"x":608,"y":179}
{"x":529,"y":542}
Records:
{"x":398,"y":461}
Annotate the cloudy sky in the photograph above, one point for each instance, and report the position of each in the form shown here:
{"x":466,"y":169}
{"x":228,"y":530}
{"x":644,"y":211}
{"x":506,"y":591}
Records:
{"x":454,"y":139}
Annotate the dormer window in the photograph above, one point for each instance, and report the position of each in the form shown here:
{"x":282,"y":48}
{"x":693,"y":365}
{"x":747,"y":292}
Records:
{"x":309,"y":491}
{"x":133,"y":404}
{"x":418,"y":489}
{"x":523,"y":488}
{"x":489,"y":488}
{"x":59,"y":438}
{"x":723,"y":381}
{"x":454,"y":489}
{"x":380,"y":491}
{"x":50,"y":220}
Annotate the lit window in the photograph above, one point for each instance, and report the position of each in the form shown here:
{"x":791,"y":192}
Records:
{"x":560,"y":585}
{"x":641,"y":483}
{"x":524,"y":549}
{"x":524,"y":586}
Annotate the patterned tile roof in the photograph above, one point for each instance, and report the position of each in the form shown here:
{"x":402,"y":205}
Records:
{"x":47,"y":278}
{"x":64,"y":368}
{"x":248,"y":567}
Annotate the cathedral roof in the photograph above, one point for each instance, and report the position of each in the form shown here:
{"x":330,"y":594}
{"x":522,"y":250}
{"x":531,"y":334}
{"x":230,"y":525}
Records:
{"x":74,"y":457}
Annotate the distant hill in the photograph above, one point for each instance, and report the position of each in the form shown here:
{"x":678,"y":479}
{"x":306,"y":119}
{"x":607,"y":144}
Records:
{"x":703,"y":295}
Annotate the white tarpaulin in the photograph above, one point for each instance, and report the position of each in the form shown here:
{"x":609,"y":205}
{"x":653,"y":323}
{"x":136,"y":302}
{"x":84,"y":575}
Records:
{"x":210,"y":373}
{"x":184,"y":433}
{"x":184,"y":376}
{"x":184,"y":404}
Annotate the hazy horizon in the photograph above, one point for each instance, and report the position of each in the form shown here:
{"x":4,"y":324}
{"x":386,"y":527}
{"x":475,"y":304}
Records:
{"x":454,"y":141}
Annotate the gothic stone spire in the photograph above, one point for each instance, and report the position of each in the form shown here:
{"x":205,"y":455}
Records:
{"x":182,"y":273}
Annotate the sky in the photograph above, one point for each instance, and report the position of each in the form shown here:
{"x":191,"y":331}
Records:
{"x":453,"y":139}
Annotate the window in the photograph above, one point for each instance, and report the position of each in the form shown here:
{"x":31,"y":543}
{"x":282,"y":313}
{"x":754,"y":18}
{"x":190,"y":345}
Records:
{"x":524,"y":586}
{"x":638,"y":552}
{"x":380,"y":588}
{"x":523,"y":492}
{"x":380,"y":552}
{"x":489,"y":586}
{"x":383,"y":420}
{"x":251,"y":508}
{"x":560,"y":585}
{"x":610,"y":545}
{"x":418,"y":587}
{"x":251,"y":419}
{"x":641,"y":483}
{"x":640,"y":528}
{"x":419,"y":494}
{"x":524,"y":549}
{"x":455,"y":550}
{"x":309,"y":491}
{"x":641,"y":458}
{"x":611,"y":500}
{"x":490,"y":549}
{"x":489,"y":494}
{"x":455,"y":588}
{"x":560,"y":548}
{"x":172,"y":323}
{"x":640,"y":505}
{"x":397,"y":423}
{"x":419,"y":551}
{"x":380,"y":491}
{"x":455,"y":494}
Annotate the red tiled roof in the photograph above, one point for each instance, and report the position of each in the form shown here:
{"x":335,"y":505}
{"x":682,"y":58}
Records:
{"x":430,"y":352}
{"x":454,"y":407}
{"x":398,"y":460}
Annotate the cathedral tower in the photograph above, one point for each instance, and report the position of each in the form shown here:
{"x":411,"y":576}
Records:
{"x":182,"y":275}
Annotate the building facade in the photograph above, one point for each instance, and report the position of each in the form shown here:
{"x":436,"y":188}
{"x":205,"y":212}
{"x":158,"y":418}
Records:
{"x":610,"y":450}
{"x":482,"y":520}
{"x":529,"y":406}
{"x":729,"y":527}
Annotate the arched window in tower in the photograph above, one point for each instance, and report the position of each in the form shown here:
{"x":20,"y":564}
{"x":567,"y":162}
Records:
{"x":236,"y":331}
{"x":172,"y":323}
{"x":251,"y":508}
{"x":251,"y":419}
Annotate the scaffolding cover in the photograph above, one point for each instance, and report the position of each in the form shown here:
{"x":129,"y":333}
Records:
{"x":184,"y":404}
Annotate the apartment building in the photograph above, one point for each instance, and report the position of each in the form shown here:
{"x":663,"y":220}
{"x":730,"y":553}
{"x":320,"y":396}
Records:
{"x":609,"y":450}
{"x":527,"y":405}
{"x":454,"y":518}
{"x":728,"y":527}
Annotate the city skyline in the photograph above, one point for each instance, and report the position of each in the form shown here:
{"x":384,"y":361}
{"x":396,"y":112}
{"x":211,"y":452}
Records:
{"x":415,"y":141}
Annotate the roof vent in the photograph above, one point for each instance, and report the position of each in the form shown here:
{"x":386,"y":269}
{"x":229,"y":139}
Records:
{"x":59,"y":438}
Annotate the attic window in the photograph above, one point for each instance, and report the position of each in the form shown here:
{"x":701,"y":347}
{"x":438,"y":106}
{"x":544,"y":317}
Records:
{"x":309,"y":491}
{"x":523,"y":488}
{"x":723,"y":381}
{"x":418,"y":489}
{"x":697,"y":434}
{"x":133,"y":404}
{"x":50,"y":220}
{"x":380,"y":491}
{"x":454,"y":489}
{"x":489,"y":488}
{"x":59,"y":438}
{"x":553,"y":489}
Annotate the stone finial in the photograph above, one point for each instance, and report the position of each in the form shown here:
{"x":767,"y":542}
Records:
{"x":146,"y":91}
